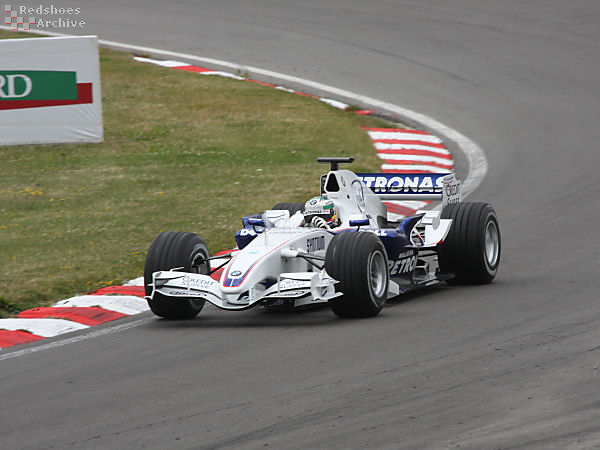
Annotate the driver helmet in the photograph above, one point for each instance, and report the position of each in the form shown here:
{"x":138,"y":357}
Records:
{"x":321,"y":207}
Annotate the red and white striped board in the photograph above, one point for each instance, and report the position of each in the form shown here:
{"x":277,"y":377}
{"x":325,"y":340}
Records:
{"x":74,"y":314}
{"x":80,"y":312}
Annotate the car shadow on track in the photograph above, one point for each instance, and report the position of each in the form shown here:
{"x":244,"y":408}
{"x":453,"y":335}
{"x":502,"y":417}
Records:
{"x":318,"y":315}
{"x":434,"y":292}
{"x":211,"y":317}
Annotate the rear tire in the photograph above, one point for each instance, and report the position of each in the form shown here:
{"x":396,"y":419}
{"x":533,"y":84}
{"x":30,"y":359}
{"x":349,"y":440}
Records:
{"x":170,"y":250}
{"x":293,"y":208}
{"x":472,"y":248}
{"x":358,"y":261}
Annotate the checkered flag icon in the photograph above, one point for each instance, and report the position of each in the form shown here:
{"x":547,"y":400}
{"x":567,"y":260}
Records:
{"x":16,"y":22}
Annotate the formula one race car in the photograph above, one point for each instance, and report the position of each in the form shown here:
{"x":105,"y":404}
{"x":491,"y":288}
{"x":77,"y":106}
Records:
{"x":338,"y":248}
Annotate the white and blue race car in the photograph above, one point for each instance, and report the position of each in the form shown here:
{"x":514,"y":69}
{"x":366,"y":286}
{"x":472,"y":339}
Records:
{"x":355,"y":266}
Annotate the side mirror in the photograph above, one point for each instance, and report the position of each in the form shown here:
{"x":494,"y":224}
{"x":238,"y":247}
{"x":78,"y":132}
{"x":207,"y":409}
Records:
{"x":358,"y":220}
{"x":256,"y":222}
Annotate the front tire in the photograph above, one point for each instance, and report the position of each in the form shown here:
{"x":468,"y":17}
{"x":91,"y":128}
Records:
{"x":358,"y":261}
{"x":170,"y":250}
{"x":293,"y":208}
{"x":471,"y":251}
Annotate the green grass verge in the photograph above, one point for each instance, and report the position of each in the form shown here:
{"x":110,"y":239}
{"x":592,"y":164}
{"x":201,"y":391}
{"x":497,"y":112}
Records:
{"x":182,"y":152}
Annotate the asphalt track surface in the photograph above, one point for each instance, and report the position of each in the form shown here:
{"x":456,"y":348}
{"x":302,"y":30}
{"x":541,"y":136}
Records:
{"x":511,"y":365}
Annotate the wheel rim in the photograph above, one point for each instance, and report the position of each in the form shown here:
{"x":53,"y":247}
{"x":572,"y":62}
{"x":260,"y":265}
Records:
{"x":377,"y":274}
{"x":492,"y":243}
{"x":198,"y":264}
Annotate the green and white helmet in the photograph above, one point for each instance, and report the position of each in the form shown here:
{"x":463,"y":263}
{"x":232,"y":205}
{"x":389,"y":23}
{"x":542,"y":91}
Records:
{"x":321,"y":207}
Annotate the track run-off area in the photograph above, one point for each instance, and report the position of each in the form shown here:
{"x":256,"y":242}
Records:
{"x":511,"y":365}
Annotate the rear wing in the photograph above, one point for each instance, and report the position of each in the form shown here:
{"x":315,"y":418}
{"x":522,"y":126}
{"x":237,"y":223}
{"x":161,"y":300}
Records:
{"x":413,"y":186}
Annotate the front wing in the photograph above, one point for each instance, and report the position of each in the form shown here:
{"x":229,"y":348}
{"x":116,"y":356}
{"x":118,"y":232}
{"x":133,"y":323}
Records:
{"x":304,"y":288}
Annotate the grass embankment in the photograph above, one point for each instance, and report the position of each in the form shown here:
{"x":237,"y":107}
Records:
{"x":182,"y":151}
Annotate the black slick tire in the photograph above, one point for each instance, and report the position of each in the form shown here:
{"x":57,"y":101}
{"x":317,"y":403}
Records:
{"x":471,"y":251}
{"x":170,"y":250}
{"x":358,"y":261}
{"x":293,"y":208}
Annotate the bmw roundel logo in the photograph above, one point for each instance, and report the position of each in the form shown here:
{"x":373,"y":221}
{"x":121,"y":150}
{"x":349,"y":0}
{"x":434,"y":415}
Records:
{"x":313,"y":202}
{"x":236,"y":273}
